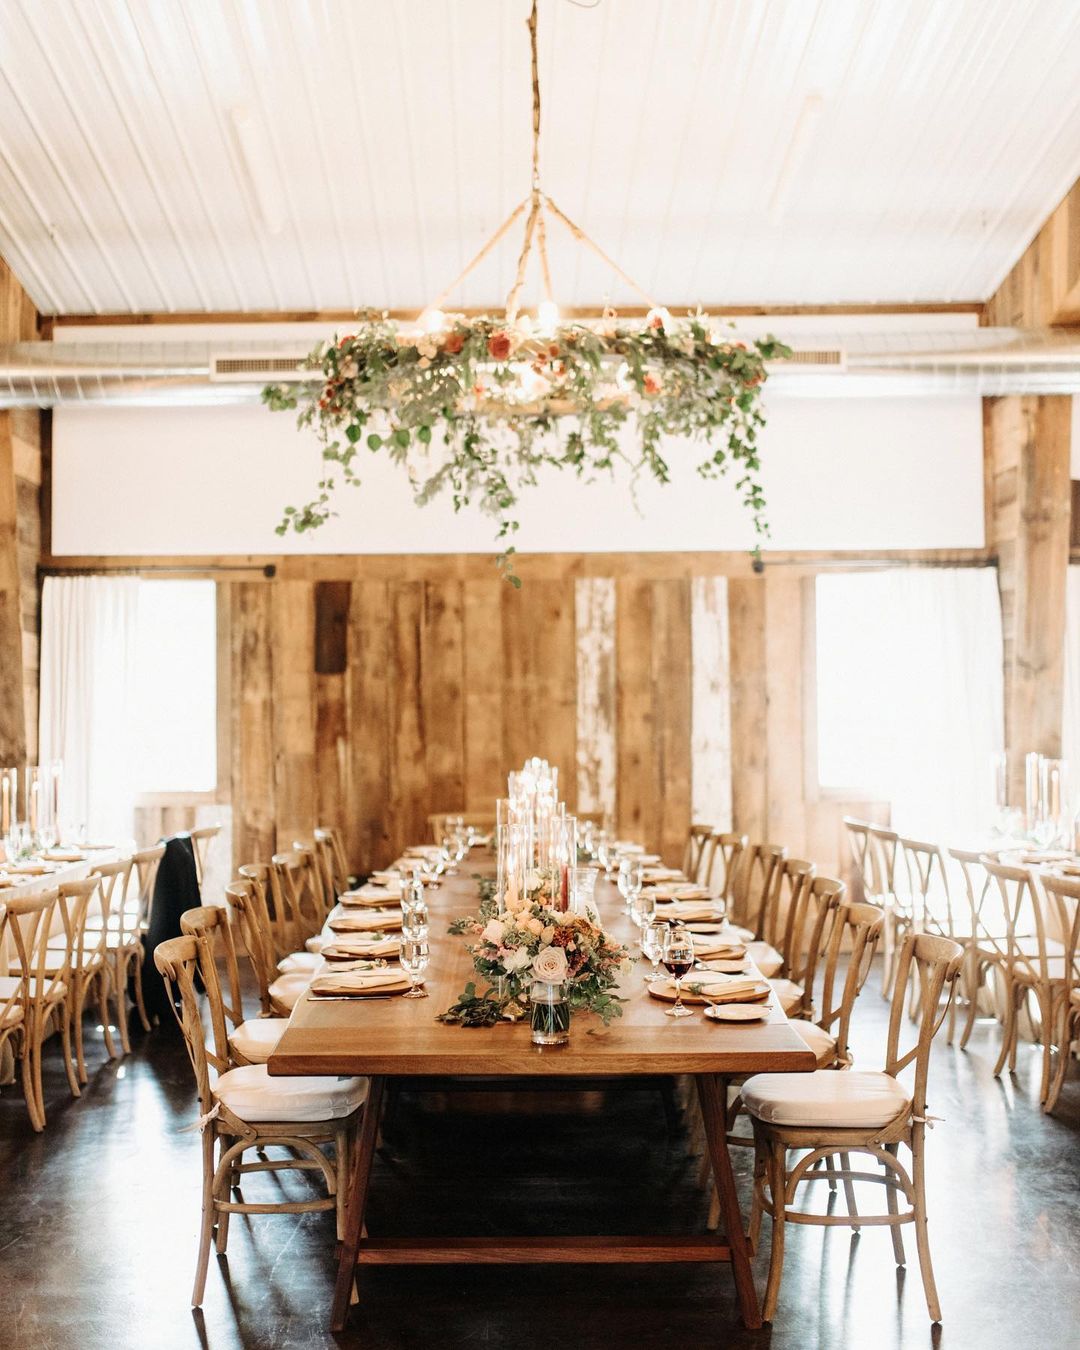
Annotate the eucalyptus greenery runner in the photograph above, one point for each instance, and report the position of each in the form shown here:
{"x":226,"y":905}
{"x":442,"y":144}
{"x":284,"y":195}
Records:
{"x":476,"y":406}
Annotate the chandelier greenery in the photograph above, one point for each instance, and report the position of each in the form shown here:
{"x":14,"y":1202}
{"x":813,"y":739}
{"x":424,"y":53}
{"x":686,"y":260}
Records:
{"x":475,"y":406}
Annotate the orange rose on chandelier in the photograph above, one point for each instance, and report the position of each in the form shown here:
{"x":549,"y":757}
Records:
{"x":500,"y":345}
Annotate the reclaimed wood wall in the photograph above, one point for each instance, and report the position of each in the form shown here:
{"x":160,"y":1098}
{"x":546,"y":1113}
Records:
{"x":374,"y":702}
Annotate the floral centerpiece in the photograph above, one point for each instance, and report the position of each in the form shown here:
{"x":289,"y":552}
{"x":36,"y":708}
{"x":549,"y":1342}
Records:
{"x":532,"y":942}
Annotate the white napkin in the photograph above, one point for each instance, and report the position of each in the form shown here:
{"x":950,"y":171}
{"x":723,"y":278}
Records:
{"x":357,"y":981}
{"x":654,"y":874}
{"x":687,"y":910}
{"x":682,"y":893}
{"x":358,"y":948}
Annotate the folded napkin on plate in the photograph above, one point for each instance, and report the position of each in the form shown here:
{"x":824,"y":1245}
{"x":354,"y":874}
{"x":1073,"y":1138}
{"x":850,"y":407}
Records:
{"x":651,"y":875}
{"x":30,"y":869}
{"x":715,"y":964}
{"x":366,"y":923}
{"x":1045,"y":855}
{"x":359,"y":948}
{"x":357,"y":981}
{"x":704,"y":909}
{"x":371,"y":895}
{"x":64,"y":855}
{"x":683,"y":891}
{"x":712,"y":983}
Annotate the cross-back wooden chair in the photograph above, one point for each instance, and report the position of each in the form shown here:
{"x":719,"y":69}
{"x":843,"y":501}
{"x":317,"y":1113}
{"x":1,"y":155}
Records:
{"x":82,"y":951}
{"x":200,"y":844}
{"x":1031,"y":966}
{"x":808,"y":925}
{"x":123,"y":941}
{"x":886,"y":891}
{"x":246,"y":1109}
{"x":697,"y":838}
{"x":985,"y":947}
{"x":858,"y":837}
{"x":932,"y":909}
{"x":728,"y":851}
{"x":329,"y":844}
{"x":749,"y":901}
{"x":824,"y":1115}
{"x":279,"y":924}
{"x":1063,"y":895}
{"x":250,"y":1040}
{"x":248,"y":910}
{"x":296,"y":890}
{"x":33,"y":996}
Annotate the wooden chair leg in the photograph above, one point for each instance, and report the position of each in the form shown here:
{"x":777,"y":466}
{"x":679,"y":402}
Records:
{"x":78,"y":1003}
{"x":140,"y":1002}
{"x":121,"y":1002}
{"x":849,"y":1191}
{"x":922,"y":1236}
{"x":778,"y":1189}
{"x":206,"y":1230}
{"x":1046,"y":1012}
{"x":62,"y":1012}
{"x":341,"y":1174}
{"x":1008,"y":1028}
{"x":26,"y":1069}
{"x":894,"y":1208}
{"x":103,"y":981}
{"x":974,"y":990}
{"x":756,"y":1205}
{"x":1068,"y":1030}
{"x":712,"y":1223}
{"x":221,"y":1239}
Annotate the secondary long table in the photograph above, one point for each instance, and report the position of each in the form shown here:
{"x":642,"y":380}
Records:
{"x":399,"y":1038}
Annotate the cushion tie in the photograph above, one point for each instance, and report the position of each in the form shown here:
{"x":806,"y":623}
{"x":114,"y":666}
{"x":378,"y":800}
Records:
{"x":202,"y":1122}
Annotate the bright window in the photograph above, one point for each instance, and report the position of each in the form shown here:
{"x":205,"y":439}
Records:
{"x":175,"y":703}
{"x":909,"y":694}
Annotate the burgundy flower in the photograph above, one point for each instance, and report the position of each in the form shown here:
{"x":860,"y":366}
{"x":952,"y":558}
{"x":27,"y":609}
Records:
{"x":453,"y":343}
{"x":499,"y":346}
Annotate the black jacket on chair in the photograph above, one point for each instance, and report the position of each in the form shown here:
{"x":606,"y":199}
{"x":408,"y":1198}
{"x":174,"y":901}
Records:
{"x":175,"y":891}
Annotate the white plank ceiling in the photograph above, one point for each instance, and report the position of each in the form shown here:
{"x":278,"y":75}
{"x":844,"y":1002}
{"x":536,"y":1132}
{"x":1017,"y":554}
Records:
{"x":300,"y":154}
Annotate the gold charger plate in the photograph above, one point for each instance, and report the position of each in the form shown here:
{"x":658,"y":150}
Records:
{"x":360,"y":951}
{"x":659,"y":989}
{"x":384,"y":922}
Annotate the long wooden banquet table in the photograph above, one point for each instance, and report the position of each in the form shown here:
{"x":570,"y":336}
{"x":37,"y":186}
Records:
{"x":395,"y":1038}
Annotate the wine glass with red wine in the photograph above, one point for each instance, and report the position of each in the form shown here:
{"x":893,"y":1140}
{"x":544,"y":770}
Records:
{"x":678,"y":959}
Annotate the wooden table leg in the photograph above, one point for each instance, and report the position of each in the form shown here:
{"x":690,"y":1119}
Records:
{"x":357,"y":1202}
{"x":712,"y":1095}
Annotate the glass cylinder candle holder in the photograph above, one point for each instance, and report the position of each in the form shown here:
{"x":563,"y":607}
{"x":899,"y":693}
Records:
{"x":9,"y":799}
{"x":35,"y":800}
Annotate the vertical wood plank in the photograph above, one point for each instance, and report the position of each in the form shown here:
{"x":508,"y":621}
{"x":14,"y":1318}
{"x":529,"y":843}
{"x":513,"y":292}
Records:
{"x":784,"y":654}
{"x":12,"y":701}
{"x":332,"y":608}
{"x":293,"y":605}
{"x":636,"y":788}
{"x":368,"y":822}
{"x":408,"y":757}
{"x":670,"y":657}
{"x":486,"y":763}
{"x":254,"y":806}
{"x":442,"y":695}
{"x":540,"y":677}
{"x":710,"y":716}
{"x":746,"y":618}
{"x":594,"y":602}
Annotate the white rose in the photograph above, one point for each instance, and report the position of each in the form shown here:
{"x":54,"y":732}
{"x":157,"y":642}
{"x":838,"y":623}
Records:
{"x":550,"y":965}
{"x":494,"y":931}
{"x":517,"y":960}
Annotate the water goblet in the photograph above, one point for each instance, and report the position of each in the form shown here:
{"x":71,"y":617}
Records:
{"x":624,"y":883}
{"x":414,"y":958}
{"x":643,"y":908}
{"x":634,"y":883}
{"x":678,"y":959}
{"x":652,"y":945}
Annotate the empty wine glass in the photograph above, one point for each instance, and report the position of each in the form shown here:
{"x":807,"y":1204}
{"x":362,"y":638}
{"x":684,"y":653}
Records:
{"x":414,"y":958}
{"x":604,"y":851}
{"x":652,"y":945}
{"x":678,"y":959}
{"x":643,"y":907}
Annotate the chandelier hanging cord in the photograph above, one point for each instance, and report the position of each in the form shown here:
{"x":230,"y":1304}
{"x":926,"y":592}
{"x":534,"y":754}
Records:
{"x":539,"y":203}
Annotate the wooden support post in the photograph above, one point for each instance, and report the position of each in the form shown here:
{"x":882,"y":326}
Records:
{"x":12,"y":707}
{"x":1027,"y":458}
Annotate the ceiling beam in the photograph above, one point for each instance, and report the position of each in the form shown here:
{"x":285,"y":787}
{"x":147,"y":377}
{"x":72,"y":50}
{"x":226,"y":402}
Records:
{"x":407,"y":315}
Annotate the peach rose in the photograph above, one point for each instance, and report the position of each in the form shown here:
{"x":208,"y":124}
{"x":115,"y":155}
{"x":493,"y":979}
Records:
{"x":550,"y":965}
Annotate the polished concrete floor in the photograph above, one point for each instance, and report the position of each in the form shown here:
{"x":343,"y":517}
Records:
{"x":98,"y":1224}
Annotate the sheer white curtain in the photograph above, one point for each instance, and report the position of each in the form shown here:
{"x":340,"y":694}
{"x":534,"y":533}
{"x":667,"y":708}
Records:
{"x":1070,"y":724}
{"x":88,"y":650}
{"x":910,"y":694}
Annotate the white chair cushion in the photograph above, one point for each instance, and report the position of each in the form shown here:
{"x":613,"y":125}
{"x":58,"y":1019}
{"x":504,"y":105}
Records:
{"x":846,"y":1101}
{"x":742,"y":934}
{"x":299,"y":962}
{"x":287,"y":989}
{"x":822,"y":1044}
{"x":250,"y":1093}
{"x":256,"y":1039}
{"x":11,"y":984}
{"x":789,"y":993}
{"x":319,"y":941}
{"x":767,"y":959}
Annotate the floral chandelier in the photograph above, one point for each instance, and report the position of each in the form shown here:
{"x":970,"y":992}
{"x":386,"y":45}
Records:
{"x":475,"y":405}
